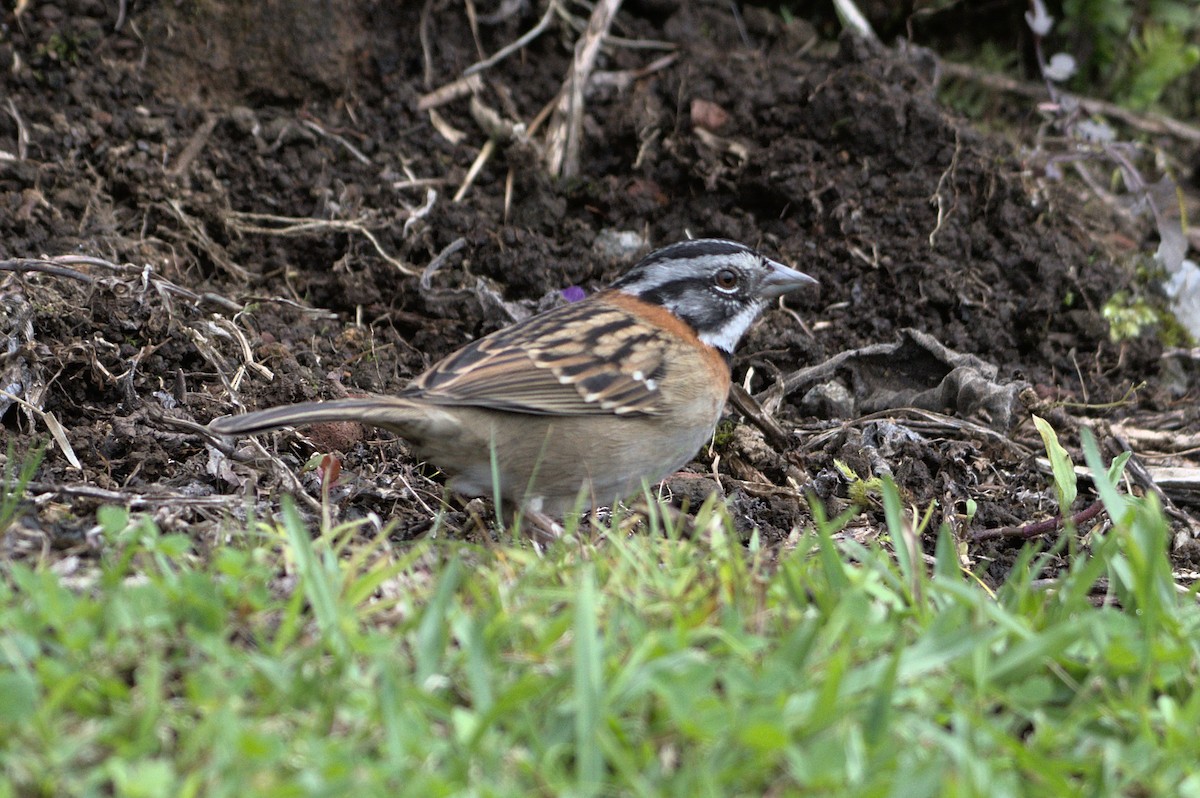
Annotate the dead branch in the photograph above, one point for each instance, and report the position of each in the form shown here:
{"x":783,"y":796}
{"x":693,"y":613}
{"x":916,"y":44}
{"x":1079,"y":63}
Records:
{"x":1040,"y":527}
{"x":748,"y":406}
{"x":1155,"y":124}
{"x":564,"y":137}
{"x":45,"y":266}
{"x":1157,"y":481}
{"x":130,"y":499}
{"x":926,"y":422}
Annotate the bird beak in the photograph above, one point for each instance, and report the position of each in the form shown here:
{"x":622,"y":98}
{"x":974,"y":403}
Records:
{"x":782,"y":280}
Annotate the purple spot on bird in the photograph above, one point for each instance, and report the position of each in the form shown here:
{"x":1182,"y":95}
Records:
{"x":573,"y":293}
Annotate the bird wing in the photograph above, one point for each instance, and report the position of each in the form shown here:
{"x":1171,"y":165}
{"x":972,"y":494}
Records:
{"x":588,"y":358}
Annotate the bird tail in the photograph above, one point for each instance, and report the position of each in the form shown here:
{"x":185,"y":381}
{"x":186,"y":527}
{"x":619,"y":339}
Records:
{"x":388,"y":412}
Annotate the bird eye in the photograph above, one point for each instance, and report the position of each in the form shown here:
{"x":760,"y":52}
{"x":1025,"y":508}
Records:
{"x":726,"y":279}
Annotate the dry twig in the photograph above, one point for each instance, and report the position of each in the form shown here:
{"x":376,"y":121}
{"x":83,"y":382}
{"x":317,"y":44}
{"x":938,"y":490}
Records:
{"x":498,"y":130}
{"x":437,"y":263}
{"x":194,"y":147}
{"x":201,"y":238}
{"x":625,"y":78}
{"x":22,"y":131}
{"x":290,"y":226}
{"x":469,"y":84}
{"x":130,"y":499}
{"x":52,"y":423}
{"x":350,"y":148}
{"x":508,"y":50}
{"x":564,"y":138}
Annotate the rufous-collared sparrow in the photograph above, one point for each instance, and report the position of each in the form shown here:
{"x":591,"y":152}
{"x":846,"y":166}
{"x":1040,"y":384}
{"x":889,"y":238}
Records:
{"x":584,"y":402}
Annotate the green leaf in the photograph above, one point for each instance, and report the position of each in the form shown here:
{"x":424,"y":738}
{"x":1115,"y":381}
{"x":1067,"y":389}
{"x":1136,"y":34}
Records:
{"x":113,"y":520}
{"x":148,"y":778}
{"x":1118,"y":466}
{"x":1060,"y":463}
{"x":20,"y":697}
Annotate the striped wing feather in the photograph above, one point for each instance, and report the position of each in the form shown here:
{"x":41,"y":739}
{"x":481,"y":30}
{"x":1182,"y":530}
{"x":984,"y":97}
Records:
{"x":588,"y":358}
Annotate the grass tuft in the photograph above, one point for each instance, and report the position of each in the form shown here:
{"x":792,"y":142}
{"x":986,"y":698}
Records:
{"x":646,"y":664}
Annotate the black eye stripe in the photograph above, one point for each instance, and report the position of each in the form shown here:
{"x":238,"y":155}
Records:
{"x":673,"y":289}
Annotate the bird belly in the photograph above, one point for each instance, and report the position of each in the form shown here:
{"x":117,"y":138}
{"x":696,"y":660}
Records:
{"x":562,"y":464}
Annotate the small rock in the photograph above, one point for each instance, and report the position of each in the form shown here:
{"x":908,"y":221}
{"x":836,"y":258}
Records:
{"x":619,"y":244}
{"x":828,"y":400}
{"x":708,"y":115}
{"x":689,"y":490}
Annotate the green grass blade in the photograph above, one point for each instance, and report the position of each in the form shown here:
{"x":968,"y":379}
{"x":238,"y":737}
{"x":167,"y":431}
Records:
{"x":904,"y":539}
{"x":319,"y":586}
{"x":12,"y":487}
{"x":589,"y":764}
{"x":432,"y":632}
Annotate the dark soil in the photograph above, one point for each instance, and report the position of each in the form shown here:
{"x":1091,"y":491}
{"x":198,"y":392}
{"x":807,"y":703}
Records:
{"x":263,"y":195}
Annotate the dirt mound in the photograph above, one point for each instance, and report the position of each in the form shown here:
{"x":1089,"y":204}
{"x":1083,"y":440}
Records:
{"x":277,"y":188}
